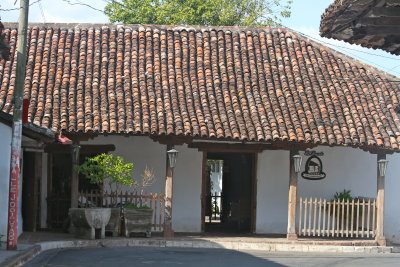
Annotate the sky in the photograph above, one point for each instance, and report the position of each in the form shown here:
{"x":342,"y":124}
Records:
{"x":305,"y":19}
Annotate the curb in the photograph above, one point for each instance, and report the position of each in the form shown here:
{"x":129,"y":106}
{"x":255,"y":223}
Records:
{"x":22,"y":257}
{"x":27,"y":255}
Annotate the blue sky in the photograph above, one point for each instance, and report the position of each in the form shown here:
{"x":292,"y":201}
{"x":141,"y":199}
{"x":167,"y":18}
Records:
{"x":306,"y":15}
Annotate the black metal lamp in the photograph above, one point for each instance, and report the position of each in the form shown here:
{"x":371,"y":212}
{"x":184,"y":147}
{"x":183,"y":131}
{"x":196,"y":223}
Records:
{"x":382,"y":166}
{"x":172,"y":155}
{"x":297,"y":162}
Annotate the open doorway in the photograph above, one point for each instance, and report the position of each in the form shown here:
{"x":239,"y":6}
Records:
{"x":229,"y":197}
{"x":31,"y":178}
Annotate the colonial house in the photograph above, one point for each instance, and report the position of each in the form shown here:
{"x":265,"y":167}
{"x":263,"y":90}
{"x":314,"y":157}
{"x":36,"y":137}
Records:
{"x":242,"y":106}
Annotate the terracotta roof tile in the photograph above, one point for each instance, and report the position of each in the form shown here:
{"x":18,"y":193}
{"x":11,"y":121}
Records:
{"x":254,"y":84}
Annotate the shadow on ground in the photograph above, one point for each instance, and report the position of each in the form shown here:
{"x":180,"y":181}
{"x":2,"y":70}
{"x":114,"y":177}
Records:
{"x":148,"y":256}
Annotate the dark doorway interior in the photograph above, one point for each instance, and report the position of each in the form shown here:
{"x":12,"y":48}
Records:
{"x":228,"y":209}
{"x":59,"y":195}
{"x":31,"y":174}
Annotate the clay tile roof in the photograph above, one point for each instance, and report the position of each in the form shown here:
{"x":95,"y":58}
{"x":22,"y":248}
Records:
{"x":232,"y":83}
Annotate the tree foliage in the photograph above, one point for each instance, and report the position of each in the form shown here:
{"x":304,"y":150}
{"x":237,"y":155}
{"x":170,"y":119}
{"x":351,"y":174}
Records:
{"x":199,"y":12}
{"x":107,"y":169}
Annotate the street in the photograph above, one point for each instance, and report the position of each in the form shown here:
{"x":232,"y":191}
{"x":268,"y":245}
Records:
{"x":148,"y":256}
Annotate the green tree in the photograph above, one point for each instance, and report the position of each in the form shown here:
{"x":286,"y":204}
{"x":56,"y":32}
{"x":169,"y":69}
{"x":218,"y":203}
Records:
{"x":107,"y":169}
{"x":199,"y":12}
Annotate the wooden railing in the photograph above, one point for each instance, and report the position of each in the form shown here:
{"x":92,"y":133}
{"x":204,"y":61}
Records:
{"x":354,"y":219}
{"x":96,"y":198}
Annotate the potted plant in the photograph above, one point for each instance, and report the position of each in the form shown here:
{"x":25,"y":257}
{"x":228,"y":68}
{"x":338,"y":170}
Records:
{"x":138,"y":218}
{"x":341,"y":211}
{"x":110,"y":173}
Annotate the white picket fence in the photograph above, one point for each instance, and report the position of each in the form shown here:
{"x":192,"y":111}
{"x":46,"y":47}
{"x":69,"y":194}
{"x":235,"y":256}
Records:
{"x":353,"y":219}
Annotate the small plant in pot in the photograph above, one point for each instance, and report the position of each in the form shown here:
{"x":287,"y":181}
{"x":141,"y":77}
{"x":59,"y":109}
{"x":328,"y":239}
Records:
{"x":138,"y":218}
{"x":110,"y":173}
{"x":342,"y":210}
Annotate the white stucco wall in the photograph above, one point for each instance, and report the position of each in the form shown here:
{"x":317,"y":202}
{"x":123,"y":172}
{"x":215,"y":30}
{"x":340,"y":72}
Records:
{"x":345,"y":168}
{"x":5,"y":143}
{"x":272,"y":191}
{"x":143,"y":151}
{"x":186,"y":211}
{"x":392,"y":199}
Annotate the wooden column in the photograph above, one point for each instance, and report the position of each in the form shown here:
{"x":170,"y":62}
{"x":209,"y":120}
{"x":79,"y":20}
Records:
{"x":75,"y":175}
{"x":168,"y":232}
{"x":291,"y":229}
{"x":380,"y":204}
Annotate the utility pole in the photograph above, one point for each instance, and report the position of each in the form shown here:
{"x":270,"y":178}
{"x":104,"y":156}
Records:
{"x":15,"y":166}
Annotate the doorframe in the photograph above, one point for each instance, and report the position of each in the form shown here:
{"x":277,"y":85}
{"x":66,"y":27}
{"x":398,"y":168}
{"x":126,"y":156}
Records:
{"x":253,"y":200}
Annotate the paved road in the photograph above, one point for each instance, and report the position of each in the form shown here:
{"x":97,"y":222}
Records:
{"x":141,"y":256}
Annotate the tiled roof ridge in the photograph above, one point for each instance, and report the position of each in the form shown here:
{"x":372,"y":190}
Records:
{"x":151,"y":26}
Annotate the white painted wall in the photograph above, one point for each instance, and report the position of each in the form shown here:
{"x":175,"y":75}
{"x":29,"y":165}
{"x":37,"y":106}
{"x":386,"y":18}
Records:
{"x":345,"y":168}
{"x":392,"y":199}
{"x":272,"y":191}
{"x":143,"y":151}
{"x":5,"y":143}
{"x":186,"y":211}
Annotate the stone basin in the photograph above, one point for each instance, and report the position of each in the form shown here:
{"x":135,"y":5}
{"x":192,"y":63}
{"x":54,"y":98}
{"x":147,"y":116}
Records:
{"x":86,"y":221}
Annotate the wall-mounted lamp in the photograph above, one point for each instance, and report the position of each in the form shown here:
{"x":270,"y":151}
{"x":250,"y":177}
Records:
{"x":75,"y":150}
{"x":382,"y":166}
{"x":172,"y":155}
{"x":297,"y":163}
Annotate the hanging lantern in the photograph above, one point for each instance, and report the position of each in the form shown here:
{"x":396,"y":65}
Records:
{"x":382,"y":165}
{"x":172,"y":155}
{"x":75,"y":150}
{"x":297,"y":163}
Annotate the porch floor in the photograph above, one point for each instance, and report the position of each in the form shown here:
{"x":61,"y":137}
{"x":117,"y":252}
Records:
{"x":43,"y":236}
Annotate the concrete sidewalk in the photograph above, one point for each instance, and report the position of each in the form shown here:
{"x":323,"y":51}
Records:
{"x":32,"y":244}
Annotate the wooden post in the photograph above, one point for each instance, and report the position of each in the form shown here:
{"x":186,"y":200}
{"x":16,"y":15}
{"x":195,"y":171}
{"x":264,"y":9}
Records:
{"x":291,"y":229}
{"x":75,"y":175}
{"x":168,"y":232}
{"x":380,"y":203}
